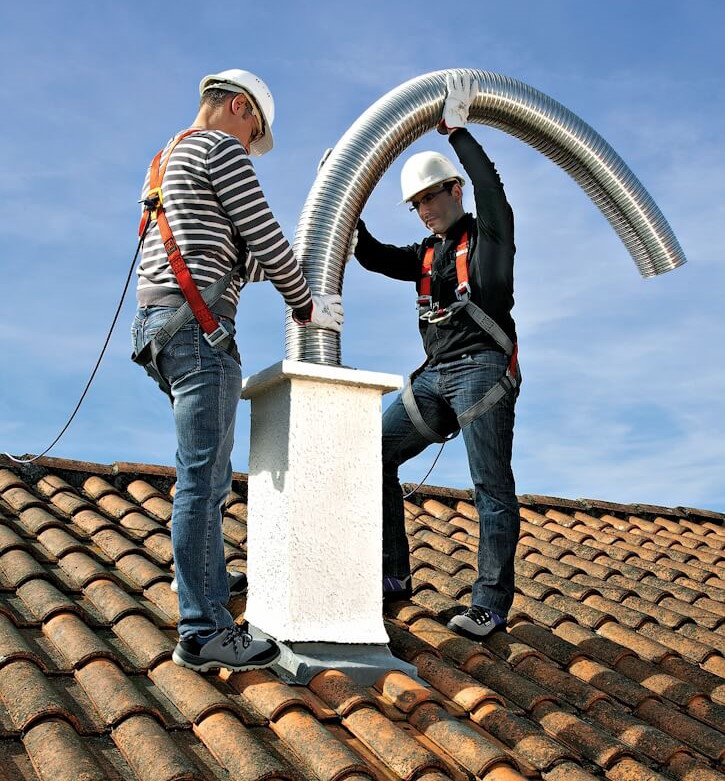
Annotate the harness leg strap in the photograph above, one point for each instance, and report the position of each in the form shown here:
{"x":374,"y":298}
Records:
{"x":490,"y":399}
{"x":411,"y":407}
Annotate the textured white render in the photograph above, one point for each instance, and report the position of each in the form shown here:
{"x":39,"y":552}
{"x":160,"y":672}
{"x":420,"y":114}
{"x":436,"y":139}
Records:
{"x":314,"y":527}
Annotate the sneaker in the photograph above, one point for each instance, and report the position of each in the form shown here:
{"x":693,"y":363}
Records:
{"x":232,"y":647}
{"x":237,"y":583}
{"x":476,"y":623}
{"x":397,"y":588}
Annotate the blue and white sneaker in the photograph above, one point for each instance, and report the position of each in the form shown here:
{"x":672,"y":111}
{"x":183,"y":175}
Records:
{"x":476,"y":623}
{"x":397,"y":588}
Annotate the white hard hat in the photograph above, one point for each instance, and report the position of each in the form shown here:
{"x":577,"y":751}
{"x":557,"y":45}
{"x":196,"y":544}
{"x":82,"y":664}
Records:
{"x":236,"y":80}
{"x":425,"y":169}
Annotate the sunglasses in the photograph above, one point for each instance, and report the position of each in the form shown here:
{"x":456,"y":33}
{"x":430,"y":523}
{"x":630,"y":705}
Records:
{"x":429,"y":197}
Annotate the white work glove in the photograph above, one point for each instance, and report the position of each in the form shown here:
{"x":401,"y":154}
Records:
{"x":461,"y":91}
{"x":327,"y":312}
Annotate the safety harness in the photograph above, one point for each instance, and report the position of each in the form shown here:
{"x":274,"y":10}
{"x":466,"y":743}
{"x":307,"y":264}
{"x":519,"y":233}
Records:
{"x":511,"y":378}
{"x":197,"y":303}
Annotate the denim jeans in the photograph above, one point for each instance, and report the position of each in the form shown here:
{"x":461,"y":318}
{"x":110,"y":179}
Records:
{"x":206,"y":384}
{"x":442,"y":392}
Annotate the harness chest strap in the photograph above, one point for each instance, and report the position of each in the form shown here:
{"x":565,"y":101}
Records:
{"x":154,"y":210}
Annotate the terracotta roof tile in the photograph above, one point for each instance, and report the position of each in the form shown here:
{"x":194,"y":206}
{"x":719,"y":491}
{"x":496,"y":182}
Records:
{"x":149,"y":644}
{"x":114,"y":544}
{"x":593,"y":744}
{"x":140,"y":490}
{"x":653,"y":743}
{"x":552,"y":565}
{"x":585,"y":615}
{"x":18,"y":566}
{"x":29,"y":697}
{"x":140,"y":570}
{"x":76,"y":641}
{"x":57,"y":753}
{"x":531,"y":609}
{"x":20,"y":498}
{"x":111,"y":601}
{"x":330,"y":760}
{"x":655,"y":680}
{"x":36,"y":519}
{"x":628,"y":769}
{"x":703,"y":709}
{"x":91,"y":522}
{"x":45,"y":600}
{"x":58,"y":542}
{"x":8,"y":479}
{"x":397,"y":749}
{"x":151,"y":752}
{"x":610,"y":681}
{"x":684,"y":768}
{"x":568,"y":771}
{"x":339,"y":692}
{"x":459,"y":740}
{"x":236,"y":749}
{"x":458,"y":686}
{"x":706,"y":740}
{"x":563,"y":685}
{"x":96,"y":487}
{"x":701,"y":616}
{"x":604,"y":649}
{"x":676,"y":642}
{"x":683,"y":670}
{"x":647,"y":648}
{"x":69,"y":503}
{"x":513,"y":686}
{"x":448,"y":643}
{"x":625,"y":614}
{"x":159,"y":507}
{"x":139,"y":525}
{"x":451,"y":587}
{"x":521,"y":736}
{"x":112,"y":693}
{"x":82,"y":568}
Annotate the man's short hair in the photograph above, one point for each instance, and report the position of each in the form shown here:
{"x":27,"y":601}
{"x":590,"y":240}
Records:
{"x":214,"y":98}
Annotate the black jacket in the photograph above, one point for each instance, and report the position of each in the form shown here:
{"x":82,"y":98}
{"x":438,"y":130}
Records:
{"x":490,"y":260}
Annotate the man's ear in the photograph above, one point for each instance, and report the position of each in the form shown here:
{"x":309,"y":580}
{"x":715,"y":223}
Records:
{"x":457,"y":192}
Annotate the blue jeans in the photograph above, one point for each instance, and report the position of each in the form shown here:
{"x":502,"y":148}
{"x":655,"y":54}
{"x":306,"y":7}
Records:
{"x":442,"y":392}
{"x":206,"y":384}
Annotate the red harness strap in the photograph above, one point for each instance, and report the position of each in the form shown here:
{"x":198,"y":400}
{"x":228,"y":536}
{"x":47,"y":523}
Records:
{"x":154,"y":210}
{"x":461,"y":270}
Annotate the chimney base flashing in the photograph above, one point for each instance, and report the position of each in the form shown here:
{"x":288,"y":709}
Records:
{"x":299,"y":663}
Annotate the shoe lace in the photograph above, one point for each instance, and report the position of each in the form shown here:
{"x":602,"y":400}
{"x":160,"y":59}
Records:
{"x":478,"y":614}
{"x":236,"y":634}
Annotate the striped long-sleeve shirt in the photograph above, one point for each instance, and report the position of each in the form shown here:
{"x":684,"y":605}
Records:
{"x":211,"y":197}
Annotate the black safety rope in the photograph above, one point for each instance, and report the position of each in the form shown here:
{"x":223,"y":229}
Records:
{"x":432,"y":467}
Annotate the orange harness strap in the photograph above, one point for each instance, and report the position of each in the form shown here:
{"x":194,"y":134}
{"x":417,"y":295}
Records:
{"x":154,"y":210}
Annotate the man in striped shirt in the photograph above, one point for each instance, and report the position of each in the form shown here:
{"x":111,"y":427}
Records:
{"x":218,"y":216}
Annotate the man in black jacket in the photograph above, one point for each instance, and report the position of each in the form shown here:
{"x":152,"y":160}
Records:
{"x":464,"y":277}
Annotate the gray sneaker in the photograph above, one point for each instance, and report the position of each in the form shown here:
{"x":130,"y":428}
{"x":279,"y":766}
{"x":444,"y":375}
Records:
{"x":476,"y":623}
{"x":237,"y":583}
{"x":232,"y":647}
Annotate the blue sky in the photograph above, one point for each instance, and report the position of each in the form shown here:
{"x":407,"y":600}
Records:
{"x":624,"y":380}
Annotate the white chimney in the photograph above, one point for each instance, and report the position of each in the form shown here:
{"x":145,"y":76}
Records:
{"x":314,"y":527}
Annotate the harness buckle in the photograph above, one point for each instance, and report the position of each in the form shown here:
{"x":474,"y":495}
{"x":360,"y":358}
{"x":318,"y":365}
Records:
{"x":463,"y":291}
{"x":439,"y":315}
{"x":424,"y":303}
{"x":217,"y":337}
{"x":153,"y":201}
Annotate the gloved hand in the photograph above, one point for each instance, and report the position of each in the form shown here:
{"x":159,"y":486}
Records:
{"x":327,"y":312}
{"x":461,"y":91}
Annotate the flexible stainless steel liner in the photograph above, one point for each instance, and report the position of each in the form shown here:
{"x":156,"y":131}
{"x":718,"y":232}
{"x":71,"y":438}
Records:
{"x":390,"y":125}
